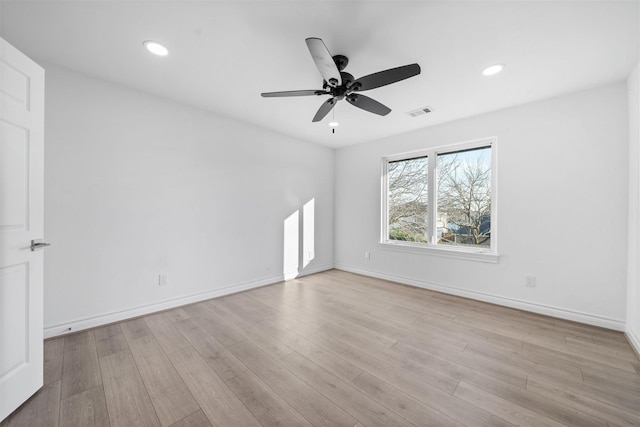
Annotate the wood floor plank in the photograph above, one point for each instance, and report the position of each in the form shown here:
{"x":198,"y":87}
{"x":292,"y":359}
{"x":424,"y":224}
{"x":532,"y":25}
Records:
{"x":612,"y":383}
{"x":583,"y":403}
{"x":127,"y":399}
{"x":350,"y":399}
{"x":621,"y":379}
{"x":110,"y":339}
{"x":237,"y":318}
{"x":214,"y":324}
{"x":135,"y":328}
{"x":401,"y":403}
{"x":316,"y":408}
{"x":413,"y":384}
{"x":197,"y":419}
{"x":176,"y":314}
{"x":53,"y":358}
{"x":169,"y":338}
{"x":243,"y":320}
{"x":619,"y":352}
{"x":290,"y":334}
{"x":344,"y":316}
{"x":263,"y":402}
{"x":609,"y":343}
{"x":612,"y":395}
{"x":169,"y":395}
{"x":451,"y":363}
{"x":502,"y":408}
{"x":221,"y":406}
{"x":577,"y":359}
{"x":331,"y":361}
{"x":41,"y":410}
{"x":503,"y":389}
{"x":396,"y":388}
{"x":283,"y":315}
{"x":522,"y":364}
{"x":382,"y":361}
{"x":86,"y":409}
{"x":221,"y":360}
{"x":373,"y":358}
{"x":594,"y":331}
{"x":469,"y":333}
{"x":549,"y":408}
{"x":81,"y":370}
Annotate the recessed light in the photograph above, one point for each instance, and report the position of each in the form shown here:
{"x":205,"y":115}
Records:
{"x":156,"y":48}
{"x":334,"y":124}
{"x":494,"y":69}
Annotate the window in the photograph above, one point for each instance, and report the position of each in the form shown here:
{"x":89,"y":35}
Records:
{"x":442,"y":199}
{"x":407,"y":198}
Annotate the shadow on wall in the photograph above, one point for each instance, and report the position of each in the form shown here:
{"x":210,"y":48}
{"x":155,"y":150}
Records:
{"x":299,"y":240}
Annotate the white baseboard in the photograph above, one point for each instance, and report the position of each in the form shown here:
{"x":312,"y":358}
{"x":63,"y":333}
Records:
{"x":634,"y":341}
{"x":103,"y":319}
{"x":576,"y":316}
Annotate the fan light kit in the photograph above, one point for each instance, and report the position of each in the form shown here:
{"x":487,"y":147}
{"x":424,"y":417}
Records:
{"x":334,"y":124}
{"x":156,"y":48}
{"x":494,"y":69}
{"x":340,"y":85}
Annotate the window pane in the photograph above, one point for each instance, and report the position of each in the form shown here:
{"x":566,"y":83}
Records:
{"x":407,"y":199}
{"x":464,"y":198}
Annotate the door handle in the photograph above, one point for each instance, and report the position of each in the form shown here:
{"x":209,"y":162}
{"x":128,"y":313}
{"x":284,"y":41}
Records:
{"x":36,"y":245}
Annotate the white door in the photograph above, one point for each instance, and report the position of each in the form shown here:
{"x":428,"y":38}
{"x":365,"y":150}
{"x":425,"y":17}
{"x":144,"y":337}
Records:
{"x":21,"y":221}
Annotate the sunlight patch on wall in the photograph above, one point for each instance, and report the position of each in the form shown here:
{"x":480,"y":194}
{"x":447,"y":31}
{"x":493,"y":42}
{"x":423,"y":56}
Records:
{"x":299,"y":240}
{"x":291,"y":246}
{"x":308,"y":232}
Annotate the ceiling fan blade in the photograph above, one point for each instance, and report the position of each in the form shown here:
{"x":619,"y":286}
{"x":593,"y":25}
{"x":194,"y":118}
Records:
{"x":368,"y":104}
{"x":294,"y":93}
{"x":324,"y":61}
{"x":383,"y":78}
{"x":324,"y":109}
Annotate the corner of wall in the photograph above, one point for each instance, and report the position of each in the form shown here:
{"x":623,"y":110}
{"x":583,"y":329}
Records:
{"x":632,"y":327}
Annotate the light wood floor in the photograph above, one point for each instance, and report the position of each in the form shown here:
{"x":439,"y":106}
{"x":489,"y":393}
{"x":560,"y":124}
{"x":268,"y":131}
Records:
{"x":338,"y":349}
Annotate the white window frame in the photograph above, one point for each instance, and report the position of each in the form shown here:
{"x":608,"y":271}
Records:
{"x":432,"y":247}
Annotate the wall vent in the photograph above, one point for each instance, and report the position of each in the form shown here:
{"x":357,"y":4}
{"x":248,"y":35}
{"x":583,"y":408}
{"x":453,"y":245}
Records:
{"x":420,"y":111}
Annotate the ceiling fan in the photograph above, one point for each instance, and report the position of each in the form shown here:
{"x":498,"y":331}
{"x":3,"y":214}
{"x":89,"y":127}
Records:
{"x":341,"y":85}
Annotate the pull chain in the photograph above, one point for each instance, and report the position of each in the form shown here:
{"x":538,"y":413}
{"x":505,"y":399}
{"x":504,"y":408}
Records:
{"x":333,"y":119}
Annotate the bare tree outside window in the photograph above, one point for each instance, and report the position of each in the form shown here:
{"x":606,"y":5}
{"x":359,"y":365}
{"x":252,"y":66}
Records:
{"x":464,"y":197}
{"x":407,"y":199}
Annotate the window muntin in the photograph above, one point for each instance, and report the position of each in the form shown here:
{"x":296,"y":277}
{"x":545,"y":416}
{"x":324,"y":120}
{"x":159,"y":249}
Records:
{"x":443,"y":198}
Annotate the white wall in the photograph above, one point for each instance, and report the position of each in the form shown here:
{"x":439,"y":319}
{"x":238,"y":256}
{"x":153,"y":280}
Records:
{"x":633,"y":279}
{"x":562,"y":208}
{"x":137,"y":186}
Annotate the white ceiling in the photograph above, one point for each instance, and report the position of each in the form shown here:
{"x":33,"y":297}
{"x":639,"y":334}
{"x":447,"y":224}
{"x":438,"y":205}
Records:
{"x":223,"y":54}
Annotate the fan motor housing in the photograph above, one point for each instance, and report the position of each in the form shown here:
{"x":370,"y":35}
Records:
{"x":341,"y":61}
{"x":347,"y":79}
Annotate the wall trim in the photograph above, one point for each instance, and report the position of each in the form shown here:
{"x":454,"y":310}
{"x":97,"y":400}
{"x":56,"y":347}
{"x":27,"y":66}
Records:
{"x":634,"y":341}
{"x":117,"y":316}
{"x":561,"y":313}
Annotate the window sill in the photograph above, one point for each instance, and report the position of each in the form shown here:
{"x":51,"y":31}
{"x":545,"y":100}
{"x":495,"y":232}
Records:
{"x":463,"y":253}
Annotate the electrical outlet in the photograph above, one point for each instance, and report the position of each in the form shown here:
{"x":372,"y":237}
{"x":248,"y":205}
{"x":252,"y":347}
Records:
{"x":367,"y":255}
{"x":530,"y":281}
{"x":163,"y":279}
